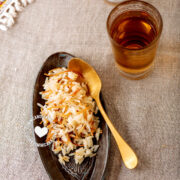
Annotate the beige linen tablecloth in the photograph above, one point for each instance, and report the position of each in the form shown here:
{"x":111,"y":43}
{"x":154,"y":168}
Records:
{"x":145,"y":112}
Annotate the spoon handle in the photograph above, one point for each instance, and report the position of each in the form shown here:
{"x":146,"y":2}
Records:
{"x":128,"y":155}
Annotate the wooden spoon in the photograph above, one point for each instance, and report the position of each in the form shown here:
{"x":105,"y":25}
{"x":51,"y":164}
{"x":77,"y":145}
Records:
{"x":94,"y":84}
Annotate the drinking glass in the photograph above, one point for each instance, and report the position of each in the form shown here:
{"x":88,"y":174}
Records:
{"x":134,"y":28}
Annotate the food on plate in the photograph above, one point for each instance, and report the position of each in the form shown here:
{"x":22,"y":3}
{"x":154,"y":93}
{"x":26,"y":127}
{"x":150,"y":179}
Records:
{"x":70,"y":114}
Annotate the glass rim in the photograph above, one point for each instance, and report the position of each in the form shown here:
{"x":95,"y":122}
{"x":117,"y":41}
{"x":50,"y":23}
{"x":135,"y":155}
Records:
{"x":144,"y":3}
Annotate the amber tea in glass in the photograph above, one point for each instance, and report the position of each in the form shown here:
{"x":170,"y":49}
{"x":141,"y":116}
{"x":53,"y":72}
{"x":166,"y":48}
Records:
{"x":134,"y":28}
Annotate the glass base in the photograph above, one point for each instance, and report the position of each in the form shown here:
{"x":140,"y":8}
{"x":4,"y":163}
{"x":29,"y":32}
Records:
{"x":136,"y":76}
{"x":114,"y":1}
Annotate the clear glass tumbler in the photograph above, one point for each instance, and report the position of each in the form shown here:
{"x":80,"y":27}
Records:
{"x":134,"y":28}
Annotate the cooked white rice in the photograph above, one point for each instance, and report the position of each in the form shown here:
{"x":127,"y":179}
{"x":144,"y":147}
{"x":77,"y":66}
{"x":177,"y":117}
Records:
{"x":68,"y":114}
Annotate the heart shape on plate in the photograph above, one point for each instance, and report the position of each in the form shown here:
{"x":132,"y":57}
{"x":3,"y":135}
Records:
{"x":41,"y":131}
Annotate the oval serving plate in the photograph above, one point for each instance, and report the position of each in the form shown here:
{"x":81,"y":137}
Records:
{"x":91,"y":168}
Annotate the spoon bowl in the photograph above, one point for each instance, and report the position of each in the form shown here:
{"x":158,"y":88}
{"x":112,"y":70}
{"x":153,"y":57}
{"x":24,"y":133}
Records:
{"x":88,"y":73}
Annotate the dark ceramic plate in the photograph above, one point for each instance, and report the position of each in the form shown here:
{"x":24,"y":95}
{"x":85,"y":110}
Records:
{"x":91,"y":168}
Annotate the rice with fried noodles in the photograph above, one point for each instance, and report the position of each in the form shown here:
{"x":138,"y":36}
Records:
{"x":70,"y":114}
